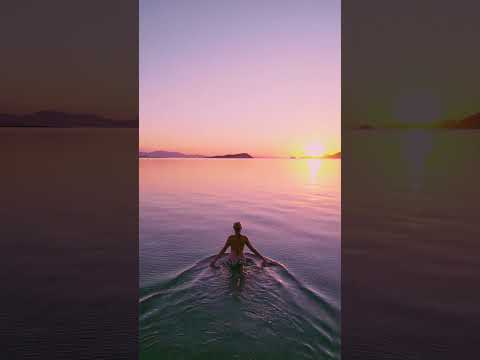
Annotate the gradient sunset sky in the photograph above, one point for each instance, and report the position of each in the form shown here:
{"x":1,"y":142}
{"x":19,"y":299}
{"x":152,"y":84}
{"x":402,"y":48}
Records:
{"x":256,"y":76}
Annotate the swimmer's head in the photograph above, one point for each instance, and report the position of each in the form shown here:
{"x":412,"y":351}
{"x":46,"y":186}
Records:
{"x":237,"y":227}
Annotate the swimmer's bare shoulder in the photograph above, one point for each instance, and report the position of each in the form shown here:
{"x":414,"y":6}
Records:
{"x":237,"y":242}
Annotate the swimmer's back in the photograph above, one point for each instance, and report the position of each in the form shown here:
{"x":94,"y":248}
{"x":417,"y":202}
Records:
{"x":237,"y":243}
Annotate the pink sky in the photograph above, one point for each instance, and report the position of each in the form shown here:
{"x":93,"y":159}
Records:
{"x":218,"y":79}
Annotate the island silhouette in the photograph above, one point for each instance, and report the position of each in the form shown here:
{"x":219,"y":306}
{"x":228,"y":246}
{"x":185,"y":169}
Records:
{"x":58,"y":119}
{"x":175,"y":154}
{"x":337,"y":155}
{"x":469,"y":122}
{"x":232,"y":156}
{"x":167,"y":154}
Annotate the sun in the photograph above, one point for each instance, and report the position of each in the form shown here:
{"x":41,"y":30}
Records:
{"x":315,"y":149}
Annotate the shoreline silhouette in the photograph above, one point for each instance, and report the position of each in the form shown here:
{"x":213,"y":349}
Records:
{"x":471,"y":122}
{"x":59,"y":119}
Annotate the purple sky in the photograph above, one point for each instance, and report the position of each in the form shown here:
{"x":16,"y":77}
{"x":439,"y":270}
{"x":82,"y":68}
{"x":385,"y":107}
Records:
{"x":240,"y":76}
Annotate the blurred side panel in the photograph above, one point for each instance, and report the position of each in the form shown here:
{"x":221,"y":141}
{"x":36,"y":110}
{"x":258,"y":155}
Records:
{"x":410,"y":175}
{"x":69,"y":179}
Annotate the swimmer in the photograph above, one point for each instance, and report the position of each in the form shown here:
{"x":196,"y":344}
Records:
{"x":237,"y":242}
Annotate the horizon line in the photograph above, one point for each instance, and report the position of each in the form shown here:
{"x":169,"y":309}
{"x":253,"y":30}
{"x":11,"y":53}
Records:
{"x":330,"y":153}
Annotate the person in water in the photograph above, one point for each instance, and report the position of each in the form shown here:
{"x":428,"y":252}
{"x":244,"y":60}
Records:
{"x":236,"y":243}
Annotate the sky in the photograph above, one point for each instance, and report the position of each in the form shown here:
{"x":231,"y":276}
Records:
{"x":230,"y":76}
{"x":409,"y":61}
{"x":72,"y":56}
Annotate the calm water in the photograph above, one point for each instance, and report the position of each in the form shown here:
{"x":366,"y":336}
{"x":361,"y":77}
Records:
{"x":290,"y":210}
{"x":69,"y":239}
{"x":410,"y":240}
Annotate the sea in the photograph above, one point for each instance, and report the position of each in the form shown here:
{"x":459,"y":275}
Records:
{"x":290,"y":211}
{"x":405,"y":246}
{"x":410,"y":235}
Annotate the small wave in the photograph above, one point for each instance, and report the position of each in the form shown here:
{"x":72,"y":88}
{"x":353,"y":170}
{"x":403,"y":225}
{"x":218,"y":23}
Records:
{"x":265,"y":313}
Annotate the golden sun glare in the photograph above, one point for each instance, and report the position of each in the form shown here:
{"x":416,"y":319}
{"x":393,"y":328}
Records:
{"x":314,"y":150}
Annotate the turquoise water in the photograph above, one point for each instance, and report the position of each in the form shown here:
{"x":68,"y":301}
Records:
{"x":290,"y":210}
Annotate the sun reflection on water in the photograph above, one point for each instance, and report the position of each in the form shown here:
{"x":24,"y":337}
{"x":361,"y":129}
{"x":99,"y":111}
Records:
{"x":314,"y":166}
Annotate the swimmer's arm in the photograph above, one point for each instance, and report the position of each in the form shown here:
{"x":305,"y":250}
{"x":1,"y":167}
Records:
{"x":252,"y":249}
{"x":225,"y":247}
{"x":265,"y":262}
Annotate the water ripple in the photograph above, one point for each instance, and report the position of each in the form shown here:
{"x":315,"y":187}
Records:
{"x":202,"y":311}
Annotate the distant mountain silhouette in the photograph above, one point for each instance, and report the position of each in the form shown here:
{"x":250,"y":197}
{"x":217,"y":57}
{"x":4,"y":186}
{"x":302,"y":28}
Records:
{"x":175,"y":154}
{"x":337,"y":155}
{"x":232,"y":156}
{"x":470,"y":122}
{"x":167,"y":154}
{"x":364,"y":127}
{"x":57,"y":119}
